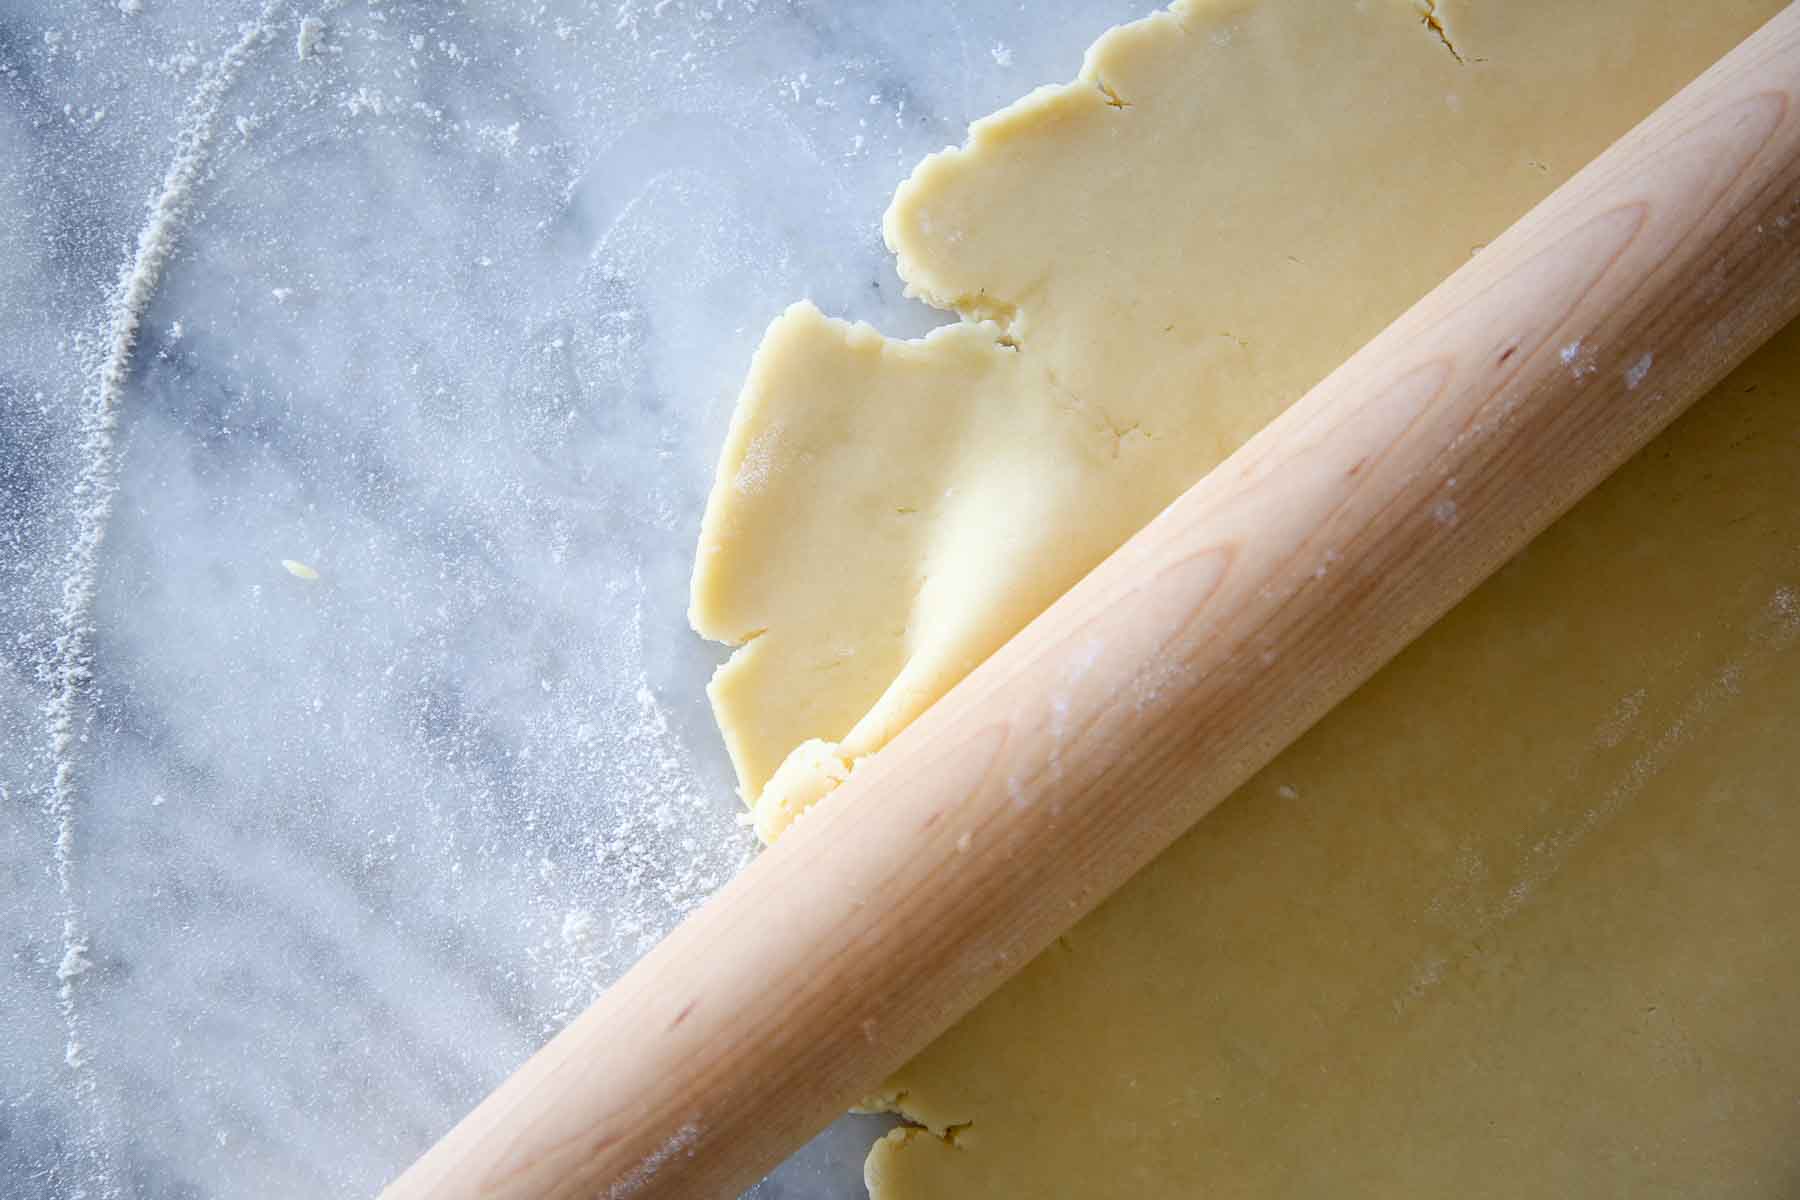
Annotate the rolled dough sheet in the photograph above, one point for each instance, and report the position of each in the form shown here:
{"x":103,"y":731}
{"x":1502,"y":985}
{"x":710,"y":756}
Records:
{"x":1521,"y":918}
{"x":1524,"y":915}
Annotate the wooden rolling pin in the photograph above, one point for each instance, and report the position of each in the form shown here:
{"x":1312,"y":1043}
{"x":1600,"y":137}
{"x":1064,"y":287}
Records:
{"x":1176,"y":669}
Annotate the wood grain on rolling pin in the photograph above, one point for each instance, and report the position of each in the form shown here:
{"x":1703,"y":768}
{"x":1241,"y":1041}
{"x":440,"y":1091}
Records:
{"x":1176,"y":669}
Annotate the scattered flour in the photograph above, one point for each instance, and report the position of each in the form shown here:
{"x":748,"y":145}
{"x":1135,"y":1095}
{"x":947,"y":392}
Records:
{"x":306,"y":42}
{"x":95,"y":489}
{"x":1579,"y":359}
{"x":578,"y":931}
{"x":1771,"y":633}
{"x":682,"y":1144}
{"x":365,"y":100}
{"x":503,"y":139}
{"x":657,"y":852}
{"x":74,"y":962}
{"x":1613,"y":730}
{"x":759,"y":462}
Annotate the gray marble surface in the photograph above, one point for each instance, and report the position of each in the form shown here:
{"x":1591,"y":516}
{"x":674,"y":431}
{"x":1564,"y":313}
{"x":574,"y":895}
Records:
{"x":361,"y":371}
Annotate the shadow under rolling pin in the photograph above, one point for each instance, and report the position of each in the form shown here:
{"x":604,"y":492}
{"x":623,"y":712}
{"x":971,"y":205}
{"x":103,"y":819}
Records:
{"x":1175,"y":670}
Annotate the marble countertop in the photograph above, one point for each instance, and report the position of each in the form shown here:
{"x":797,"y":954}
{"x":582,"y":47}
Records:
{"x":362,"y":367}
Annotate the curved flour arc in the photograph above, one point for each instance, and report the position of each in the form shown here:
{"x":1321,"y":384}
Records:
{"x":92,"y":496}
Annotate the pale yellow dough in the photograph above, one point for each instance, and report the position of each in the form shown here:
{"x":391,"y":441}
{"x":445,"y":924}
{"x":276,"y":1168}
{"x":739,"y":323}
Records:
{"x":1523,"y":917}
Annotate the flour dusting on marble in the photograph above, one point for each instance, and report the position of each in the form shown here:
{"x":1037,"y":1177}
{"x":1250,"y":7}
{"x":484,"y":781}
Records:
{"x":93,"y":495}
{"x":382,"y":761}
{"x":648,"y":864}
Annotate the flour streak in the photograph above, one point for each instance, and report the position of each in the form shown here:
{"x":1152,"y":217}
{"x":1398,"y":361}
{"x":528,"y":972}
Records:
{"x":95,"y":487}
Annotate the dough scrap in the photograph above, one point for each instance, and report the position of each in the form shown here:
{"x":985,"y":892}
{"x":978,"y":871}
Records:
{"x":1519,"y":917}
